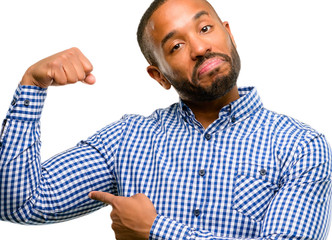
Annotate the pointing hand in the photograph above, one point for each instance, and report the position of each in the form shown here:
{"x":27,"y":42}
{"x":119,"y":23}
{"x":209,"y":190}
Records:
{"x":132,"y":216}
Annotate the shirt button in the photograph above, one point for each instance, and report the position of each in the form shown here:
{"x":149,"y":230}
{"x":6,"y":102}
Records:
{"x":263,"y":172}
{"x":208,"y":136}
{"x":13,"y":102}
{"x":197,"y":212}
{"x":201,"y":172}
{"x":233,"y":119}
{"x":26,"y":102}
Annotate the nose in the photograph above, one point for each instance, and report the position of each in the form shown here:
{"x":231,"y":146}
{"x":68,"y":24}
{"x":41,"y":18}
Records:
{"x":199,"y":47}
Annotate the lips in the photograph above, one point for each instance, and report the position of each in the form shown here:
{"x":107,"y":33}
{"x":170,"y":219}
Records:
{"x":209,"y":65}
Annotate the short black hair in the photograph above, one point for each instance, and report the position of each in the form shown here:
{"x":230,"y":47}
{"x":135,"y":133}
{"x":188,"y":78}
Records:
{"x":142,"y":39}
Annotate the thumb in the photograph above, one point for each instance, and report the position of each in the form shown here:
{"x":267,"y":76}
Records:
{"x":104,"y":197}
{"x":90,"y":79}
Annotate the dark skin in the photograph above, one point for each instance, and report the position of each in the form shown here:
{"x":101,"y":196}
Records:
{"x":189,"y":43}
{"x":193,"y":37}
{"x":181,"y":31}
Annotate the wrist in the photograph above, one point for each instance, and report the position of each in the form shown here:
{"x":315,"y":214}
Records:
{"x":29,"y":80}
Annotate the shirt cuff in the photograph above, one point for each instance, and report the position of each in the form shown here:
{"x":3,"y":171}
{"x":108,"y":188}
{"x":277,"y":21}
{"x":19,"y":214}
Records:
{"x":27,"y":103}
{"x":165,"y":228}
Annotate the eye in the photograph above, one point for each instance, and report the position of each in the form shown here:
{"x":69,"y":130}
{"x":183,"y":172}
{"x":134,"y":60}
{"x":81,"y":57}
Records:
{"x":206,"y":28}
{"x":175,"y":47}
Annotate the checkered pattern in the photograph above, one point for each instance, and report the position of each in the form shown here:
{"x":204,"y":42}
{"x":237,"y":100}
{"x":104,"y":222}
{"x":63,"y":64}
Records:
{"x":252,"y":174}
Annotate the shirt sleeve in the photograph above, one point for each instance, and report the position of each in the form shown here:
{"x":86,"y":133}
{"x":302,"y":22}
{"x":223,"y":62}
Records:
{"x":301,"y":208}
{"x":35,"y":192}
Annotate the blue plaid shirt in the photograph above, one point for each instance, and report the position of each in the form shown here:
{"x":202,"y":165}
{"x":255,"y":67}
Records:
{"x":252,"y":174}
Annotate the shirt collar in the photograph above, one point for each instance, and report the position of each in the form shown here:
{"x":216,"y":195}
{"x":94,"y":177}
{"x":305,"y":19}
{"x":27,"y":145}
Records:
{"x":248,"y":103}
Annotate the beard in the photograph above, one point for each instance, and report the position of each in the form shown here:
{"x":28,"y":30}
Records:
{"x":192,"y":91}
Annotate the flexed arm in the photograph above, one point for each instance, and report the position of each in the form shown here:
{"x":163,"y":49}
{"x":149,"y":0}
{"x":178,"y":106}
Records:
{"x":33,"y":191}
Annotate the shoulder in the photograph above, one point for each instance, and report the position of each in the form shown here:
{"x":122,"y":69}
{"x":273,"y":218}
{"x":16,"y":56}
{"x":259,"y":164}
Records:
{"x":294,"y":138}
{"x":286,"y":125}
{"x":131,"y":126}
{"x":158,"y":116}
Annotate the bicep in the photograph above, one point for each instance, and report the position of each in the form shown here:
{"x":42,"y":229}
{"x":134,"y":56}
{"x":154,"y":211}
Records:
{"x":301,"y":207}
{"x":65,"y":182}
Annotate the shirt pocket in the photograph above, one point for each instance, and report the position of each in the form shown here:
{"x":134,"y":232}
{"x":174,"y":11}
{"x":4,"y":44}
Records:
{"x":253,"y":190}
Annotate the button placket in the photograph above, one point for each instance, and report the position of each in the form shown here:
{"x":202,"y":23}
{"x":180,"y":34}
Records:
{"x":262,"y":172}
{"x":202,"y":172}
{"x":197,"y":212}
{"x":207,"y":136}
{"x":201,"y":175}
{"x":26,"y":103}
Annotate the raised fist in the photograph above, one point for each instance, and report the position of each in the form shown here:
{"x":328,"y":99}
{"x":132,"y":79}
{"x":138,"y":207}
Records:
{"x":67,"y":67}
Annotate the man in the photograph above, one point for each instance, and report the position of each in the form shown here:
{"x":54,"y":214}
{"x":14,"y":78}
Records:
{"x":217,"y":165}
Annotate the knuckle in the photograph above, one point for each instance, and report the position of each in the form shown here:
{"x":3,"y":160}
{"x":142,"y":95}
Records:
{"x":70,"y":53}
{"x":139,"y":195}
{"x":61,"y":82}
{"x":74,"y":49}
{"x":63,"y":58}
{"x":81,"y":76}
{"x":75,"y":52}
{"x":88,"y":67}
{"x":55,"y":64}
{"x":72,"y":80}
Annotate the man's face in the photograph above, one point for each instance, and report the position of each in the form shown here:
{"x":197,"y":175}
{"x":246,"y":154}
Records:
{"x":194,"y":49}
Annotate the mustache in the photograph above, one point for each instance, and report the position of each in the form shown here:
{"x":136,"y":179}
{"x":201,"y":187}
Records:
{"x":209,"y":55}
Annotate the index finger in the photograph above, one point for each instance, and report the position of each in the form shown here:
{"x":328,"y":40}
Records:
{"x":104,"y":197}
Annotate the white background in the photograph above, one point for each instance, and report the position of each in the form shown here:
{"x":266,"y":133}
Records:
{"x":285,"y":47}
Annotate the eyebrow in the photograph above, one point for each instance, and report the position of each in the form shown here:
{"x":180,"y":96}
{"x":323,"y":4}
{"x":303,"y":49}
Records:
{"x":172,"y":33}
{"x":199,"y":14}
{"x":167,"y":37}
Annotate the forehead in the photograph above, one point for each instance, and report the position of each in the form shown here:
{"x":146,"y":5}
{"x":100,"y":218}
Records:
{"x":174,"y":15}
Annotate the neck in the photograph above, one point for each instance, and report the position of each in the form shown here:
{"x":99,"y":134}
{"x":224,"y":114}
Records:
{"x":208,"y":111}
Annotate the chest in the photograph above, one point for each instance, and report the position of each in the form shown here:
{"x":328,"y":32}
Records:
{"x":204,"y":178}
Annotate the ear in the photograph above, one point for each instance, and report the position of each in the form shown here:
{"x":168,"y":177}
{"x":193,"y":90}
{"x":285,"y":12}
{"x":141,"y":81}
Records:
{"x":155,"y":73}
{"x":228,"y":29}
